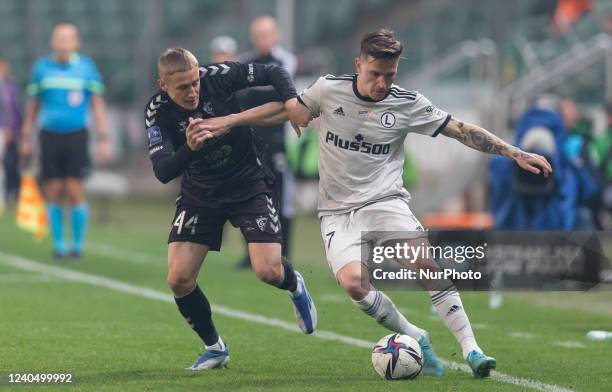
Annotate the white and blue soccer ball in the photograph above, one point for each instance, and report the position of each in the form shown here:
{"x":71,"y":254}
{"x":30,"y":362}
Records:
{"x":397,"y":357}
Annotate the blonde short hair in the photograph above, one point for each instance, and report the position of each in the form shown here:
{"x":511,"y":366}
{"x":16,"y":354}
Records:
{"x":175,"y":60}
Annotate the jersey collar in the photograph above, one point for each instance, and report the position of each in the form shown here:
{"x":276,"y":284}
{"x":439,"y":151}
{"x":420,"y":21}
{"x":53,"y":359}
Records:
{"x":362,"y":97}
{"x":179,"y":108}
{"x":74,"y":58}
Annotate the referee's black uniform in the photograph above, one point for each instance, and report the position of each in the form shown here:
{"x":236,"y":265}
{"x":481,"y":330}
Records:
{"x":274,"y":135}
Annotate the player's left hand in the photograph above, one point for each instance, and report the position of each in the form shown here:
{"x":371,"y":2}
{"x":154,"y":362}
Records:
{"x":217,"y":126}
{"x":196,"y":135}
{"x":533,"y":163}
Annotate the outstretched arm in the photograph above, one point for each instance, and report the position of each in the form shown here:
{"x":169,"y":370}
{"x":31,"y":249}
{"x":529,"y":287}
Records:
{"x":480,"y":139}
{"x":271,"y":113}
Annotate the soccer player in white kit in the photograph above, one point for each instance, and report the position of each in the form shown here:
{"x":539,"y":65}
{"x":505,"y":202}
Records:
{"x":363,"y":121}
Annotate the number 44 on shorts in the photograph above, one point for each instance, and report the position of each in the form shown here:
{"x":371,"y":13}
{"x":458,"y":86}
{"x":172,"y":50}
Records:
{"x":190,"y":225}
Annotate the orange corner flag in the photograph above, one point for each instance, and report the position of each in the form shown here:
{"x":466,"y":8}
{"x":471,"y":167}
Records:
{"x":31,"y":209}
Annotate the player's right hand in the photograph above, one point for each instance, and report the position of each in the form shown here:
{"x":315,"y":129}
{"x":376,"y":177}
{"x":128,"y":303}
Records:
{"x":299,"y":115}
{"x":197,"y":134}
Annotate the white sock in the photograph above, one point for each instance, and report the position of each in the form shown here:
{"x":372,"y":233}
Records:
{"x":377,"y":305}
{"x":219,"y":346}
{"x":451,"y":312}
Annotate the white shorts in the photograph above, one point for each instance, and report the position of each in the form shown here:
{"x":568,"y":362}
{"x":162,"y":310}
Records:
{"x":342,"y":233}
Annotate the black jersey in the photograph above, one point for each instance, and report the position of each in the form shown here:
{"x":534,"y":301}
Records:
{"x":223,"y":169}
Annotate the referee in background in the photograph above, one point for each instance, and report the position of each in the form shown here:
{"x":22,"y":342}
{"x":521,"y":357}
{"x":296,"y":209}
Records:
{"x":63,"y":86}
{"x":265,"y":38}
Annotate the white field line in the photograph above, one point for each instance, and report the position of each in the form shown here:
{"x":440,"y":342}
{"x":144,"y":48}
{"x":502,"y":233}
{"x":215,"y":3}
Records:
{"x":29,"y":278}
{"x":125,"y":255}
{"x":480,"y":326}
{"x":144,"y":292}
{"x":522,"y":335}
{"x":569,"y":344}
{"x":333,"y":297}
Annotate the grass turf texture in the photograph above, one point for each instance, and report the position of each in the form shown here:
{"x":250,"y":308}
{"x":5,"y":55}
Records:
{"x":114,"y":341}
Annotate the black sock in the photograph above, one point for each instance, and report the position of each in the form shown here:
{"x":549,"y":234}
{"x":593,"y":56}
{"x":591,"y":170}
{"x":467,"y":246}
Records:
{"x":290,"y":281}
{"x":196,"y":310}
{"x":286,"y":225}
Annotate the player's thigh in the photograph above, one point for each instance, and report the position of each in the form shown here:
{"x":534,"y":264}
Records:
{"x":342,"y":240}
{"x":266,"y":261}
{"x":198,"y":225}
{"x":264,"y":253}
{"x":184,"y":262}
{"x":354,"y":279}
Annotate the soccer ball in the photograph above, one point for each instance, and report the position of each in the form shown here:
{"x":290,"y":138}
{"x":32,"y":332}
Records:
{"x":397,"y":356}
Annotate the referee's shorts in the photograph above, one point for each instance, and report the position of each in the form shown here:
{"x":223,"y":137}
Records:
{"x":64,"y":154}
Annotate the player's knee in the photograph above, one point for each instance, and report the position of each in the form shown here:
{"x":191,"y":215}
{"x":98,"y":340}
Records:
{"x":180,"y":284}
{"x":270,"y":274}
{"x":353,"y":286}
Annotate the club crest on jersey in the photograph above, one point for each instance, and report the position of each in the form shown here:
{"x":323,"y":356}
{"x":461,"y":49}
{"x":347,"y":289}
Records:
{"x":359,"y":144}
{"x":154,"y":135}
{"x":261,"y":222}
{"x":387,"y":119}
{"x":208,"y":108}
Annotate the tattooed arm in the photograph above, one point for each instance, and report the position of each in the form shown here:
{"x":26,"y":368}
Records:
{"x":482,"y":140}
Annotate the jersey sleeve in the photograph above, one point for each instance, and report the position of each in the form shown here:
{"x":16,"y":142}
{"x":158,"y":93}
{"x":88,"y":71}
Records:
{"x":167,"y":163}
{"x":427,"y":119}
{"x":94,"y":82}
{"x":236,"y":76}
{"x":287,"y":59}
{"x":311,"y":96}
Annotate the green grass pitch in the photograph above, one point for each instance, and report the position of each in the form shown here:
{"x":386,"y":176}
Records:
{"x":112,"y":340}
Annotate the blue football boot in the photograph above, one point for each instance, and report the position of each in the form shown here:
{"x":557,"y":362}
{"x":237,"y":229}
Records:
{"x":481,"y":364}
{"x":211,"y":359}
{"x":303,"y":307}
{"x":432,"y":366}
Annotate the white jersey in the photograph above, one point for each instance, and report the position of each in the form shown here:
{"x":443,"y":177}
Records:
{"x":361,"y":142}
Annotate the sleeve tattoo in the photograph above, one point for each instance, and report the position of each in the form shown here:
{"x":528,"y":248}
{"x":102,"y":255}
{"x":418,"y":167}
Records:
{"x":480,"y":139}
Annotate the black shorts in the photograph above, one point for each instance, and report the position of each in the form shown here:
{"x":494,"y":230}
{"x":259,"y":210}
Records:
{"x":257,"y":218}
{"x":64,"y":154}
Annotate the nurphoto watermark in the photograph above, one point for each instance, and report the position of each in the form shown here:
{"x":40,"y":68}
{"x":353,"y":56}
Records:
{"x":476,"y":260}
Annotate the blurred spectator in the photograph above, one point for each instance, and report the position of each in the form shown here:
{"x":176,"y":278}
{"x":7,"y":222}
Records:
{"x":522,"y":200}
{"x":265,"y":38}
{"x":568,"y":12}
{"x":607,"y":24}
{"x":223,"y":48}
{"x":10,"y":124}
{"x":63,"y":87}
{"x":602,"y":156}
{"x":577,"y":148}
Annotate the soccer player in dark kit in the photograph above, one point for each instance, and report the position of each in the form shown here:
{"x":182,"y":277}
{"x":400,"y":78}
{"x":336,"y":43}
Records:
{"x":224,"y":178}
